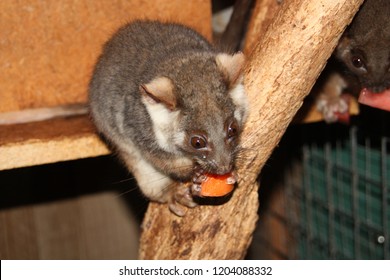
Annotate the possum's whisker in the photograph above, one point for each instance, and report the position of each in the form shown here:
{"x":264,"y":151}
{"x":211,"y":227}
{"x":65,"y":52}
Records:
{"x":124,"y":181}
{"x":128,"y":191}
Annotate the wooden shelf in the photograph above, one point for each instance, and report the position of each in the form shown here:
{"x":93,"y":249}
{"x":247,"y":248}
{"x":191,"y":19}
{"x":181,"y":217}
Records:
{"x":49,"y":141}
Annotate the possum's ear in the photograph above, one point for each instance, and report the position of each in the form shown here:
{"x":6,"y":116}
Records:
{"x":343,"y":48}
{"x":231,"y":66}
{"x":160,"y":90}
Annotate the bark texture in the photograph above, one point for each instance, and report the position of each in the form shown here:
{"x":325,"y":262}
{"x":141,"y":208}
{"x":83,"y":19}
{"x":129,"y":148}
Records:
{"x":280,"y":72}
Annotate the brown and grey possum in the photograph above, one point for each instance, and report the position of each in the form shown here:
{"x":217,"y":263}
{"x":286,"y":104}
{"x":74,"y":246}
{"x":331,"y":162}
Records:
{"x":171,"y":106}
{"x":364,"y":54}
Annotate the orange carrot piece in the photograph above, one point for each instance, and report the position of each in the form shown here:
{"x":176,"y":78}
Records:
{"x":216,"y":185}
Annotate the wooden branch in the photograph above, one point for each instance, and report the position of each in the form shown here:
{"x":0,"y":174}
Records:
{"x":280,"y":73}
{"x":232,"y":36}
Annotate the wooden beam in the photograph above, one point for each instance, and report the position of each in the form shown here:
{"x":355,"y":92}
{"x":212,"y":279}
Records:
{"x":49,"y":141}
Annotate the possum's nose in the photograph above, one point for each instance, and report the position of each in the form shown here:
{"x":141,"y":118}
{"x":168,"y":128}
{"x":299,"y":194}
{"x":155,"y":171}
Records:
{"x":377,"y":88}
{"x":224,"y":170}
{"x":223,"y":166}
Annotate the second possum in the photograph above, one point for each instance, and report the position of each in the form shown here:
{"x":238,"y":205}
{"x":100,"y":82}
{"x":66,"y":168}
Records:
{"x":363,"y":54}
{"x":171,"y":105}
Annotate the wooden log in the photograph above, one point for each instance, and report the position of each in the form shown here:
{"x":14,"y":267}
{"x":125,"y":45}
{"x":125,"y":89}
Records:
{"x":280,"y":73}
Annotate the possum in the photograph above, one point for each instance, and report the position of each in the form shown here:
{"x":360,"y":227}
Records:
{"x":171,"y":106}
{"x":363,"y":53}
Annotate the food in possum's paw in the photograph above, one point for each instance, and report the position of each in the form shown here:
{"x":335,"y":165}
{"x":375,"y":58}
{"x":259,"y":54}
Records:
{"x":334,"y":108}
{"x":217,"y":185}
{"x":343,"y":117}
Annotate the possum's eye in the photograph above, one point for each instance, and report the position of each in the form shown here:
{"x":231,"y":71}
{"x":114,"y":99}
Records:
{"x":198,"y":142}
{"x":232,"y":130}
{"x":357,"y":61}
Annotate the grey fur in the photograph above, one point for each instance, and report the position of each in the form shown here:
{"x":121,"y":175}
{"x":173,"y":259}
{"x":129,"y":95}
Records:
{"x":152,"y":135}
{"x":368,"y":38}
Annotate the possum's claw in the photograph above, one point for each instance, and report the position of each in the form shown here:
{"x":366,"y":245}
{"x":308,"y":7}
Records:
{"x":181,"y":197}
{"x":197,"y":181}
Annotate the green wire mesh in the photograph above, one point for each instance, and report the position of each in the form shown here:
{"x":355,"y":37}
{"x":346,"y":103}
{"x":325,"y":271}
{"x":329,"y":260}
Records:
{"x":342,"y":204}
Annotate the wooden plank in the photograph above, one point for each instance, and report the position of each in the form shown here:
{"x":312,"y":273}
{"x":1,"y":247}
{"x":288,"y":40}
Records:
{"x":108,"y":229}
{"x":48,"y":142}
{"x":4,"y":248}
{"x":3,"y":238}
{"x":68,"y":211}
{"x":57,"y":229}
{"x":19,"y":239}
{"x":95,"y":226}
{"x":53,"y":66}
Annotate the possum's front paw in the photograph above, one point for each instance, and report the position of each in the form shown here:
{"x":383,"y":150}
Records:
{"x":331,"y":102}
{"x":181,"y":198}
{"x":197,"y":180}
{"x":334,"y":108}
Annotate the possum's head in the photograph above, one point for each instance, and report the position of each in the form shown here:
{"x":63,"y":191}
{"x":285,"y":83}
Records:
{"x":365,"y":50}
{"x":365,"y":46}
{"x":198,"y":111}
{"x":369,"y":62}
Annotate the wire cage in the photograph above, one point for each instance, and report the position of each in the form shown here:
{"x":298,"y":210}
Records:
{"x":335,"y":191}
